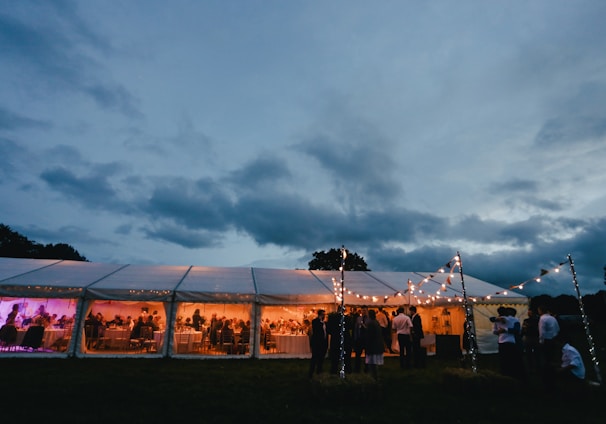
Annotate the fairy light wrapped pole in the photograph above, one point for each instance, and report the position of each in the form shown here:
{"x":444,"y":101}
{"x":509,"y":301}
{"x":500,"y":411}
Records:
{"x":592,"y":350}
{"x":342,"y":316}
{"x":470,"y":327}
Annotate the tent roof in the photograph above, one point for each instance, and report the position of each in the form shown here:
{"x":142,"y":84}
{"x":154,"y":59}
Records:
{"x":58,"y":278}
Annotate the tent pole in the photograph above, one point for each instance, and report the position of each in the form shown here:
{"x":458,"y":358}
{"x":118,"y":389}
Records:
{"x":470,"y":327}
{"x":342,"y":316}
{"x":594,"y":358}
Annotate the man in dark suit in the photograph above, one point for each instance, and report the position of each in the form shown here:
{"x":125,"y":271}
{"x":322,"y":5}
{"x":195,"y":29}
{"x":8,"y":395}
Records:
{"x":418,"y":354}
{"x":318,"y":341}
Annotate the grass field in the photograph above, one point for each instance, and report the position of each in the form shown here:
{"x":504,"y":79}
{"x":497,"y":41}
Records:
{"x":270,"y":391}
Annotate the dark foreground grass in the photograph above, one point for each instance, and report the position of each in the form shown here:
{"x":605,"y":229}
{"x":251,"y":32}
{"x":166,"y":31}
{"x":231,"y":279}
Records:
{"x":270,"y":391}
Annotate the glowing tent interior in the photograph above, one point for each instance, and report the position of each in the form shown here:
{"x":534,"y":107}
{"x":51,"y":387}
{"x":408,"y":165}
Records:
{"x":245,"y":312}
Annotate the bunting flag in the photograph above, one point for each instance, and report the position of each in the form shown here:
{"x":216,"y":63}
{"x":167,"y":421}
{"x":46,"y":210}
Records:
{"x":538,"y":278}
{"x":421,"y":296}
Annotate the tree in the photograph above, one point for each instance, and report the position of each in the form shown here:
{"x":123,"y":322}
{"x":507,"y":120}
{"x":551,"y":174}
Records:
{"x":331,"y":261}
{"x":15,"y":245}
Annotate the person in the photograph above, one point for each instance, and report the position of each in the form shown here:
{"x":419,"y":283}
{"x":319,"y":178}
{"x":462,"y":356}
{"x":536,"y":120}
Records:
{"x":385,"y":323}
{"x":197,"y":320}
{"x":318,"y":342}
{"x":359,"y":338}
{"x":41,"y":317}
{"x":227,"y":337}
{"x":507,"y":327}
{"x":62,"y":322}
{"x":402,"y":324}
{"x":549,"y":329}
{"x":571,"y":373}
{"x":8,"y":332}
{"x":418,"y":354}
{"x":530,"y":340}
{"x":244,"y":339}
{"x":375,"y":344}
{"x":136,"y":331}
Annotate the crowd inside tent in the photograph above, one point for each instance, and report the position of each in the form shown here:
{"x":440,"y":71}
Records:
{"x":72,"y":308}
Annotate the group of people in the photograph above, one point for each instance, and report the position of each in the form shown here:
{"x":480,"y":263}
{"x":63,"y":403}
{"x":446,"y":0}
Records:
{"x":536,"y":346}
{"x":366,"y":332}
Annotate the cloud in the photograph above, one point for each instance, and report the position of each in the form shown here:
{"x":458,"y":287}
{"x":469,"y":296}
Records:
{"x":56,"y":53}
{"x":14,"y":121}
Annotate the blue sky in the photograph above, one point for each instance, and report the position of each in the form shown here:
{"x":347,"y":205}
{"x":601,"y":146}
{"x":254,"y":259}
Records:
{"x":253,"y":133}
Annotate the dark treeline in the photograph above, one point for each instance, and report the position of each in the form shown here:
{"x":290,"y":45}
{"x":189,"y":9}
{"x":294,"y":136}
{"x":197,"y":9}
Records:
{"x":15,"y":245}
{"x":594,"y":305}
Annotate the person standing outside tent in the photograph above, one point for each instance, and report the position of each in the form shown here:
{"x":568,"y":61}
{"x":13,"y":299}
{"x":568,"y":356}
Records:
{"x":375,"y":345}
{"x":318,"y":341}
{"x":507,"y":327}
{"x":359,"y":338}
{"x":402,"y":324}
{"x":530,"y":340}
{"x":549,"y":329}
{"x":417,"y":334}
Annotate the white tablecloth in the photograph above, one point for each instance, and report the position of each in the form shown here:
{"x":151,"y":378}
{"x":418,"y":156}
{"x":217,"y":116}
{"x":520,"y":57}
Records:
{"x":289,"y":343}
{"x":50,"y":336}
{"x":184,"y":341}
{"x":117,"y":337}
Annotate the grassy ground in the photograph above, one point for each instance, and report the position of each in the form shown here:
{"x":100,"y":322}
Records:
{"x":225,"y":391}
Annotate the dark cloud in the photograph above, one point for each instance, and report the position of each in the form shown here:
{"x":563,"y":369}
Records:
{"x":14,"y":121}
{"x":197,"y":205}
{"x":260,"y":174}
{"x":183,"y":236}
{"x":93,"y":191}
{"x":514,"y":185}
{"x":358,"y":160}
{"x":12,"y":155}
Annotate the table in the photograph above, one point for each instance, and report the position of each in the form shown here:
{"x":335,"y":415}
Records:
{"x":184,"y":341}
{"x":292,"y":343}
{"x":50,"y":336}
{"x":117,"y":338}
{"x":159,"y":339}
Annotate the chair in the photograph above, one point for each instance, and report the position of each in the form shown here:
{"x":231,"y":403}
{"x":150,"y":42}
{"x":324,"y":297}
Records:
{"x":270,"y":342}
{"x":95,"y":336}
{"x":227,"y":341}
{"x":197,"y":341}
{"x":147,"y":338}
{"x":122,"y":340}
{"x":33,"y":337}
{"x":8,"y":337}
{"x":182,"y":342}
{"x":62,"y":343}
{"x":89,"y":331}
{"x":244,"y":343}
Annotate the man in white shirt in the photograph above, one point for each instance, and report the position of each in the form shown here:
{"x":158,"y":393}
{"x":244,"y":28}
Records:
{"x":402,"y":324}
{"x":572,"y":366}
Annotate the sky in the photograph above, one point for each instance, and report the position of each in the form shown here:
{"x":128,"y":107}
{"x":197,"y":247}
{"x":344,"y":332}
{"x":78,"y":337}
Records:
{"x":254,"y":133}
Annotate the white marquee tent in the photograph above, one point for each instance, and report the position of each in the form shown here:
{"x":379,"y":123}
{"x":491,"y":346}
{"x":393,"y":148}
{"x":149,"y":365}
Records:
{"x":256,"y":298}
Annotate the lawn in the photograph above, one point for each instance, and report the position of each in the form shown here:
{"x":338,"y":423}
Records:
{"x":252,"y":390}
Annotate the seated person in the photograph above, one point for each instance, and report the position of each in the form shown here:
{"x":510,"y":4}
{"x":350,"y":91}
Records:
{"x":8,"y":332}
{"x":572,"y":369}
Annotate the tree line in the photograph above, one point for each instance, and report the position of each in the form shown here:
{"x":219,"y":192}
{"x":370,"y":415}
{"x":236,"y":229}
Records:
{"x":15,"y":245}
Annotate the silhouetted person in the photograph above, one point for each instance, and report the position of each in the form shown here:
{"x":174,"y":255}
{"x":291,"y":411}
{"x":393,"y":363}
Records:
{"x":318,"y":342}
